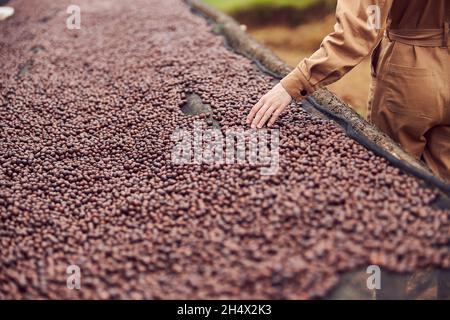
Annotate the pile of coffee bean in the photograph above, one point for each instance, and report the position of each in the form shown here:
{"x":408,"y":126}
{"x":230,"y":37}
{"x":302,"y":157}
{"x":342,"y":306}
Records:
{"x":87,"y":178}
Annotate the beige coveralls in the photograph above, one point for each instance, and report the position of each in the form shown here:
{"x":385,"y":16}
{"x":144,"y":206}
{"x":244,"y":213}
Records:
{"x":410,"y":91}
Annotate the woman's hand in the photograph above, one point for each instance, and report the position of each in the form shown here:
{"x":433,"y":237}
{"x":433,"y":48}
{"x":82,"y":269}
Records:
{"x":270,"y":106}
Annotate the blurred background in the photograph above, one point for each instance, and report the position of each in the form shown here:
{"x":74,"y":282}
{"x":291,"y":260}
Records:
{"x":294,"y":29}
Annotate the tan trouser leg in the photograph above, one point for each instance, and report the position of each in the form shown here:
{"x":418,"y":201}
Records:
{"x":437,"y":151}
{"x":409,"y":101}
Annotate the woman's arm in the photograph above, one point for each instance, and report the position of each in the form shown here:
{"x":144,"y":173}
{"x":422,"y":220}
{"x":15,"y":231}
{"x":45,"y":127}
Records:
{"x":354,"y":37}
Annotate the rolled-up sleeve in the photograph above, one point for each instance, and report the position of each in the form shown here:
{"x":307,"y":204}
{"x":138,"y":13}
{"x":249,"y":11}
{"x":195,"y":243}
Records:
{"x":359,"y":27}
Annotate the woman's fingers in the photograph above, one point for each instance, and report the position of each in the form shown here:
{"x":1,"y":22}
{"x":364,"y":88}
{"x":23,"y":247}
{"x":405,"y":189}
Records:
{"x":260,"y":114}
{"x":254,"y":110}
{"x":269,"y":106}
{"x":266,"y":116}
{"x":275,"y":116}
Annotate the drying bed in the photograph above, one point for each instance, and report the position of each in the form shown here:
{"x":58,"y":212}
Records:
{"x":87,"y":178}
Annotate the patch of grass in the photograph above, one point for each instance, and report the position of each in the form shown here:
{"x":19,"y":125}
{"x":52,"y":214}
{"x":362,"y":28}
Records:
{"x":231,"y":6}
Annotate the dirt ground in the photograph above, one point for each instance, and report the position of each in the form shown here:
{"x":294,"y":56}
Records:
{"x":292,"y":44}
